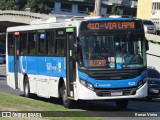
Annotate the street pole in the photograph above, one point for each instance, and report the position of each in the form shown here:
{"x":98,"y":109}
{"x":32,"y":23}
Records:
{"x":97,"y":8}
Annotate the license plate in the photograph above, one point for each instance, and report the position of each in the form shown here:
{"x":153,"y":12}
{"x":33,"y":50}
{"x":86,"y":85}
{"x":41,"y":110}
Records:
{"x":116,"y":93}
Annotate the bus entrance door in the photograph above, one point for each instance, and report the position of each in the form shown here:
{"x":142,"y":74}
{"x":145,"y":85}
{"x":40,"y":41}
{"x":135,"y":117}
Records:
{"x":16,"y":57}
{"x":70,"y":62}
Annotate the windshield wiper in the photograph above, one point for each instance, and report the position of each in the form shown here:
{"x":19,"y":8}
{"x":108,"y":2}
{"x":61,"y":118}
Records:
{"x":128,"y":36}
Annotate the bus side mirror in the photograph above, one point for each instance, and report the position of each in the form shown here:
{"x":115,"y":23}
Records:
{"x":147,"y":44}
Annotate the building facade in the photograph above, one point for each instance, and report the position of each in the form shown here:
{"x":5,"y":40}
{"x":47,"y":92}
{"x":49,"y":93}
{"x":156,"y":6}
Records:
{"x":144,"y":9}
{"x":81,"y":7}
{"x":155,"y":12}
{"x":149,"y":9}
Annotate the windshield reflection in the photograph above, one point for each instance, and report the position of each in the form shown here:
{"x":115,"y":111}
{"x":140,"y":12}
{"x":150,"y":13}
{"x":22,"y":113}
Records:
{"x":111,"y":52}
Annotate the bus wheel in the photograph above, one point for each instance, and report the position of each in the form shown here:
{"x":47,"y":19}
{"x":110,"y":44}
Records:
{"x":122,"y":104}
{"x":26,"y":87}
{"x":68,"y":103}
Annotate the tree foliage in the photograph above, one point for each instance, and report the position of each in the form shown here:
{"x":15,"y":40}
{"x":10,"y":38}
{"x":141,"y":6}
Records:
{"x":12,"y":4}
{"x":38,"y":6}
{"x":34,"y":5}
{"x":115,"y":10}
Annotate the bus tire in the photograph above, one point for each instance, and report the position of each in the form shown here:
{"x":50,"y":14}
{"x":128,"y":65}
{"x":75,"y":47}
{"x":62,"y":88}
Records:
{"x":26,"y":87}
{"x":122,"y":104}
{"x":67,"y":103}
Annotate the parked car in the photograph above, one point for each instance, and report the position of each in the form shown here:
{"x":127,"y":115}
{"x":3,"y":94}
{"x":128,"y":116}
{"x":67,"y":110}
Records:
{"x":149,"y":27}
{"x":153,"y":83}
{"x":2,"y":60}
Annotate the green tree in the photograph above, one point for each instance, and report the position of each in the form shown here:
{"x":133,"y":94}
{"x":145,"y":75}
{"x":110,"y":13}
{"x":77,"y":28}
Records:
{"x":12,"y":4}
{"x":35,"y":5}
{"x":38,"y":6}
{"x":115,"y":10}
{"x":87,"y":12}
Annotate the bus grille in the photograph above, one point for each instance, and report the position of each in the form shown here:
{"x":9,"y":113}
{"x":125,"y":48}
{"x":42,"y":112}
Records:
{"x":107,"y":92}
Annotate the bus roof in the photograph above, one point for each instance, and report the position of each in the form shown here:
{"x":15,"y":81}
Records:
{"x":64,"y":24}
{"x":111,"y":19}
{"x":41,"y":26}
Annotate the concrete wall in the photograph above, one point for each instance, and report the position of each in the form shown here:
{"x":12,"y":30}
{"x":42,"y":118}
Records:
{"x":21,"y":16}
{"x":153,"y":56}
{"x":144,"y":9}
{"x":74,"y":10}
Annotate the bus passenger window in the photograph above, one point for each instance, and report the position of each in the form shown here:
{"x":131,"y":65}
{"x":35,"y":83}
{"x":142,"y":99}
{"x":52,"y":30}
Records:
{"x":50,"y":43}
{"x":23,"y":44}
{"x":32,"y":43}
{"x":10,"y":44}
{"x":60,"y":47}
{"x":41,"y":44}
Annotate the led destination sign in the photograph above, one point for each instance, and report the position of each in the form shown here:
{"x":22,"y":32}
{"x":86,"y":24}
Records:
{"x":110,"y":25}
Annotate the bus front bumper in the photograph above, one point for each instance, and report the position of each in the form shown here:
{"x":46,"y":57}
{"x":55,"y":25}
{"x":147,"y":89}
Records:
{"x":86,"y":94}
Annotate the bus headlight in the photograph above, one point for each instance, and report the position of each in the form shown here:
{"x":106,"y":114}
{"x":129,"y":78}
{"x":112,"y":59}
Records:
{"x":83,"y":82}
{"x":87,"y":84}
{"x":142,"y":82}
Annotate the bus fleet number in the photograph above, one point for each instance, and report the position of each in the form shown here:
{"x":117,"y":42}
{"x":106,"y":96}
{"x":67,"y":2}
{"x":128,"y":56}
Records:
{"x":93,"y":26}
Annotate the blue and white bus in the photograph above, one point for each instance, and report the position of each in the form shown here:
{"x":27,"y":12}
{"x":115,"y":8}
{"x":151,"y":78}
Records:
{"x":85,"y":59}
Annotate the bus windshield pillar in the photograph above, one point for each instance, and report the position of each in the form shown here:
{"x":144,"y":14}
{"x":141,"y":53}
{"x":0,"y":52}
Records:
{"x":71,"y":64}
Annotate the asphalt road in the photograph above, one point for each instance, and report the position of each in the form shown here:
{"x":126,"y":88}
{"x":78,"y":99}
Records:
{"x":105,"y":109}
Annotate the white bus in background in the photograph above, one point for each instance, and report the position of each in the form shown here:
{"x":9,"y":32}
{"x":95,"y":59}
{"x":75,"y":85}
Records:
{"x":155,"y":14}
{"x":156,"y":22}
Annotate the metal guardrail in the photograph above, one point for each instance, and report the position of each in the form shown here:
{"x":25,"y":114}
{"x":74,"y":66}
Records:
{"x":25,"y":14}
{"x":154,"y":42}
{"x":155,"y":39}
{"x":153,"y":55}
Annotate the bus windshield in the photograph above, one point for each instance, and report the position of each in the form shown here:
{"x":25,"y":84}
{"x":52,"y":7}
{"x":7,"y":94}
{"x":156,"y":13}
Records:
{"x":111,"y":51}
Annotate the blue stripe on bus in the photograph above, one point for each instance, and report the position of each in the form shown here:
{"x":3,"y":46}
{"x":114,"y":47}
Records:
{"x":48,"y":66}
{"x":113,"y":83}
